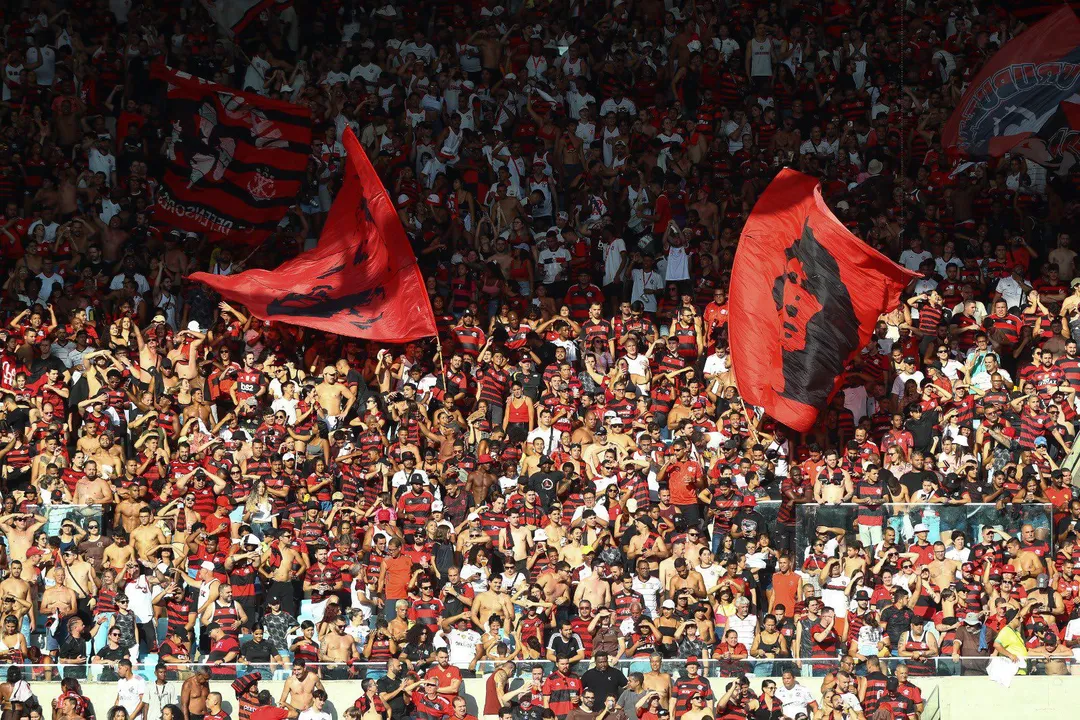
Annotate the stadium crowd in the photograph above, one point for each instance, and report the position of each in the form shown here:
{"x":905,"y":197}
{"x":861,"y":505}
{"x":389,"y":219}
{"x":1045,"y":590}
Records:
{"x":568,"y":481}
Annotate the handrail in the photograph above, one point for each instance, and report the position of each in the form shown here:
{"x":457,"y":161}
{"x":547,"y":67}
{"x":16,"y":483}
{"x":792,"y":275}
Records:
{"x":712,"y":668}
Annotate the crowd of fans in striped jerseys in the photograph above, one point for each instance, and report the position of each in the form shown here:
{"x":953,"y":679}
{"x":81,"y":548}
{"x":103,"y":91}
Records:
{"x":568,"y":479}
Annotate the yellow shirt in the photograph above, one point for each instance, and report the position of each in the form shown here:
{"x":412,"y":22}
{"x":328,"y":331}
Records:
{"x":1012,"y":641}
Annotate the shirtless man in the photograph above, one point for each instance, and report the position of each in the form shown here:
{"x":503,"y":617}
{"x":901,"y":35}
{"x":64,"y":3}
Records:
{"x":87,"y":445}
{"x":19,"y":529}
{"x":337,"y":400}
{"x":943,"y":573}
{"x":832,"y":485}
{"x":79,"y":575}
{"x":93,"y":489}
{"x":110,"y":456}
{"x":119,"y":554}
{"x":282,"y":575}
{"x":57,"y":598}
{"x":1028,"y":564}
{"x":556,"y":583}
{"x":685,"y":578}
{"x":594,"y":590}
{"x":337,"y":649}
{"x":493,"y":601}
{"x":480,"y":479}
{"x":193,"y":694}
{"x":296,"y":694}
{"x":518,"y":537}
{"x":147,"y":537}
{"x":571,"y":553}
{"x":126,"y":513}
{"x":658,"y":681}
{"x":16,"y":588}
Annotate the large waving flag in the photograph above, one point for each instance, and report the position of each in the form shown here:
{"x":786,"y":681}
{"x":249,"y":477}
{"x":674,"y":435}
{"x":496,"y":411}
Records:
{"x":805,"y":297}
{"x":361,"y":280}
{"x":1020,"y":100}
{"x":236,"y":160}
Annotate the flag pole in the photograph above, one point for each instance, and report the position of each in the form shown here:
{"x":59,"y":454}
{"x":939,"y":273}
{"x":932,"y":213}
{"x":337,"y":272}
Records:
{"x":442,"y":360}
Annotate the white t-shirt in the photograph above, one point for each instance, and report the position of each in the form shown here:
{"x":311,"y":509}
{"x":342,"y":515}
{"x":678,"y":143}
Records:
{"x":130,"y":692}
{"x":313,"y":714}
{"x":461,"y":646}
{"x":795,"y":700}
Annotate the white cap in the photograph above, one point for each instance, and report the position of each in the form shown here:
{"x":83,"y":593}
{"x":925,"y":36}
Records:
{"x":287,"y":456}
{"x":616,"y":420}
{"x":670,"y":604}
{"x":539,"y":535}
{"x":509,"y":76}
{"x":921,"y":527}
{"x":251,"y":539}
{"x":437,"y":506}
{"x":193,"y":326}
{"x":610,"y":415}
{"x":402,"y":199}
{"x":473,"y":516}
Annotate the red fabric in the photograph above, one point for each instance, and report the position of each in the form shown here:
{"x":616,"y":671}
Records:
{"x":805,"y":295}
{"x":1035,"y":72}
{"x":237,"y":162}
{"x":361,"y":280}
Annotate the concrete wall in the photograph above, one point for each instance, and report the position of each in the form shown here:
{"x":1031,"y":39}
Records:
{"x":959,"y":698}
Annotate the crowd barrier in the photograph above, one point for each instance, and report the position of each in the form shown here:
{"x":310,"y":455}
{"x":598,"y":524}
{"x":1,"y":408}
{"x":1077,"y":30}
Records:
{"x":712,"y":668}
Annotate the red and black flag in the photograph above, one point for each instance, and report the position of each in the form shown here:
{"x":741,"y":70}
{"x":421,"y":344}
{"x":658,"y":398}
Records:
{"x":805,"y":297}
{"x":361,"y":280}
{"x":1021,"y":101}
{"x":236,"y":160}
{"x":235,"y":15}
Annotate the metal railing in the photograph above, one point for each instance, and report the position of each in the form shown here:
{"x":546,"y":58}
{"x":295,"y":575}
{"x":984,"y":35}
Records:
{"x":712,"y":668}
{"x":940,"y":518}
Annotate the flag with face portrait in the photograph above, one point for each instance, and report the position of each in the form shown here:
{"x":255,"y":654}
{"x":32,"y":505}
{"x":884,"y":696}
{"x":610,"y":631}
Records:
{"x":805,"y":298}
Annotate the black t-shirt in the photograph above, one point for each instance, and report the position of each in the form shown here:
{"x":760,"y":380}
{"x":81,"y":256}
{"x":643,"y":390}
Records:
{"x":256,"y":652}
{"x":72,"y":648}
{"x":913,"y":480}
{"x":387,"y":684}
{"x":897,"y":621}
{"x":545,"y":485}
{"x":922,"y":430}
{"x":115,"y":654}
{"x":603,"y":683}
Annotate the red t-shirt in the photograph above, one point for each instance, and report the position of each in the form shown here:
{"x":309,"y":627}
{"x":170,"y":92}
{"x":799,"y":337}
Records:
{"x":682,"y":481}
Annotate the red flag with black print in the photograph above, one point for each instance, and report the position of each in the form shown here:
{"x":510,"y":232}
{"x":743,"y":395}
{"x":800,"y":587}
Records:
{"x":805,"y":297}
{"x":235,"y":160}
{"x":361,"y":280}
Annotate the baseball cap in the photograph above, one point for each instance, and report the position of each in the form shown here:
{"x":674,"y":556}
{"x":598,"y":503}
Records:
{"x":437,"y":506}
{"x":669,"y":604}
{"x":921,"y":528}
{"x":539,"y":536}
{"x":971,"y":619}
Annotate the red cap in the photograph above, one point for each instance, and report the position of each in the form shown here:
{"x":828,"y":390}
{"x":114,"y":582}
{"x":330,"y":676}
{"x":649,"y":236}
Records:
{"x":223,"y":501}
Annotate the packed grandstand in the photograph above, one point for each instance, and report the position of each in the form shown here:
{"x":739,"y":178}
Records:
{"x":562,"y":492}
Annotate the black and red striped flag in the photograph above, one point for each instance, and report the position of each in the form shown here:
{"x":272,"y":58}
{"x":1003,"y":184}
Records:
{"x":236,"y":160}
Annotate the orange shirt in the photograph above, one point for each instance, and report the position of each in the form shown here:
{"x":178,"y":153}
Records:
{"x":785,"y":589}
{"x":398,"y":574}
{"x":444,"y":677}
{"x":682,"y":481}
